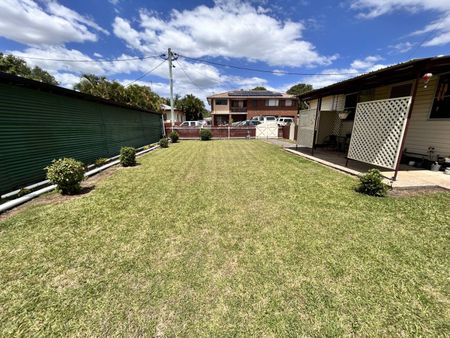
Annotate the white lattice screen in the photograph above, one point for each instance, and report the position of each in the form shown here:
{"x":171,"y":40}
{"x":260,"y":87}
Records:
{"x":306,"y":124}
{"x":378,"y":131}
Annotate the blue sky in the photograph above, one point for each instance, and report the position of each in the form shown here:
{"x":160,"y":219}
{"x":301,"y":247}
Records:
{"x":333,"y":39}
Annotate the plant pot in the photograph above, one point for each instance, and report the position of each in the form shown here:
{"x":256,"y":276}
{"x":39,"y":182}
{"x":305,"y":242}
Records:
{"x":343,"y":115}
{"x":435,"y":167}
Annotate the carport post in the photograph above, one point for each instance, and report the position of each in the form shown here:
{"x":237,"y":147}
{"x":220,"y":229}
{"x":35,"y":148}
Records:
{"x":319,"y":106}
{"x":402,"y":143}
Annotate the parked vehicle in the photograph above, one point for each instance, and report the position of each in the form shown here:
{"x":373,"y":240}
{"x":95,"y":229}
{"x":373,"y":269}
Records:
{"x":283,"y":121}
{"x":250,"y":123}
{"x":265,"y":119}
{"x":193,"y":124}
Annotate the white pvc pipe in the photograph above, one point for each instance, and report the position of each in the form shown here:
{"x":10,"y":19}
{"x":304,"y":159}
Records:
{"x":15,"y":202}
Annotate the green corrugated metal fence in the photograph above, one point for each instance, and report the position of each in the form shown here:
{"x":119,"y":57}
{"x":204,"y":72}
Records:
{"x":37,"y":127}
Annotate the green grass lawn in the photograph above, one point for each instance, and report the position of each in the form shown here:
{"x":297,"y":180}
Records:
{"x":227,"y":238}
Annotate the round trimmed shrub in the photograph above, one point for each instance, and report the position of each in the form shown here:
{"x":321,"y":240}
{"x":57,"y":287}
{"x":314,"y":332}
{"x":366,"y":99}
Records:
{"x":205,"y":134}
{"x":127,"y":156}
{"x":101,"y":161}
{"x":164,"y":142}
{"x":372,"y":184}
{"x":67,"y":174}
{"x":174,"y":136}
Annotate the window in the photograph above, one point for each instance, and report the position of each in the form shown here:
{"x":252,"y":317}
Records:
{"x":441,"y":103}
{"x":288,"y":103}
{"x":221,"y":102}
{"x":272,"y":103}
{"x":401,"y":90}
{"x":254,"y":103}
{"x":350,"y":102}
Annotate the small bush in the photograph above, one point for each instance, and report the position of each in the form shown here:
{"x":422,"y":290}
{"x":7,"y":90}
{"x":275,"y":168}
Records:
{"x":127,"y":156}
{"x":146,"y":147}
{"x":101,"y":161}
{"x":174,"y":136}
{"x":205,"y":134}
{"x":372,"y":184}
{"x":164,"y":142}
{"x":67,"y":174}
{"x":23,"y":192}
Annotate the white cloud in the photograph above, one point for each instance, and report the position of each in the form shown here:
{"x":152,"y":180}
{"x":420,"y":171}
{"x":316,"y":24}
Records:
{"x":59,"y":53}
{"x":233,"y":29}
{"x":402,"y":47}
{"x":357,"y":67}
{"x":366,"y":63}
{"x":373,"y":8}
{"x":67,"y":80}
{"x":27,"y":22}
{"x":196,"y":78}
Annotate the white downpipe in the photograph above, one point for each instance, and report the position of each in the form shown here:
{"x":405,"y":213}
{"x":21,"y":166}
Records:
{"x":15,"y":202}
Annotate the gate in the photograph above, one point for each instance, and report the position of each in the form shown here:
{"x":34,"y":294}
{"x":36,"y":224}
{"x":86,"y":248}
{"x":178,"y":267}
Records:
{"x":378,"y":131}
{"x":306,"y":125}
{"x":267,"y":130}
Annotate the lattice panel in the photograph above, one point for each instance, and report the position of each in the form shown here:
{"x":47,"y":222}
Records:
{"x":306,"y":124}
{"x":378,"y":131}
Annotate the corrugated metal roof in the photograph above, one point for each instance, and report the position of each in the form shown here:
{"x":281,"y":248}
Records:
{"x":391,"y":74}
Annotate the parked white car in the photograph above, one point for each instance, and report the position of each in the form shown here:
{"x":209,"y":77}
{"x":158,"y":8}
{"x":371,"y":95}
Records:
{"x":265,"y":119}
{"x":193,"y":124}
{"x":283,"y":121}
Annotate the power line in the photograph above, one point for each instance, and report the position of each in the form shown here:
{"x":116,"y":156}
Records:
{"x":146,"y":73}
{"x":275,"y":72}
{"x":190,"y":79}
{"x":88,"y":61}
{"x":414,"y":50}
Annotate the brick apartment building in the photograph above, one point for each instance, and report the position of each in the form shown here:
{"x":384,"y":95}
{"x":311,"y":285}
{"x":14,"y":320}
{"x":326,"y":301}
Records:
{"x":240,"y":105}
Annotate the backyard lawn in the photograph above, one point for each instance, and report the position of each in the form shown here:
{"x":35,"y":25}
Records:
{"x":226,"y":238}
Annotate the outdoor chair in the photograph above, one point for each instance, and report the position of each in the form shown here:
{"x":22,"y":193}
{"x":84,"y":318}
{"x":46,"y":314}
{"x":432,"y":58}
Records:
{"x":330,"y":142}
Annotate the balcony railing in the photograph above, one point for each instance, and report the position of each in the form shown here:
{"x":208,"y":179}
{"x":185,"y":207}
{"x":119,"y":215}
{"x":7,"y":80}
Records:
{"x":238,"y":109}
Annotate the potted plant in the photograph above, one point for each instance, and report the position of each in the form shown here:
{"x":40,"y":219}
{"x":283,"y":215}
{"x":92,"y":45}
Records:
{"x":435,"y":166}
{"x":344,"y":114}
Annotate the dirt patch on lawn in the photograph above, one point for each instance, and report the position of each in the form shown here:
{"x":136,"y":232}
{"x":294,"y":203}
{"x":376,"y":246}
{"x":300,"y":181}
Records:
{"x":419,"y":191}
{"x":53,"y":197}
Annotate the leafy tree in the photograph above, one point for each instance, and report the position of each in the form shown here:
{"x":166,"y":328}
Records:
{"x":176,"y":98}
{"x":16,"y":66}
{"x":259,"y":88}
{"x":298,"y":89}
{"x":193,"y":107}
{"x":133,"y":95}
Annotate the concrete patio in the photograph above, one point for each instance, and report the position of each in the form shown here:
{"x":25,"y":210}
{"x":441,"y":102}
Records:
{"x":408,"y":177}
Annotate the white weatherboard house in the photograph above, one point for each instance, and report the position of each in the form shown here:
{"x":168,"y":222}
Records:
{"x":379,"y":118}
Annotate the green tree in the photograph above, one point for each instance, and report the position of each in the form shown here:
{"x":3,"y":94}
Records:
{"x":133,"y":95}
{"x":193,"y":107}
{"x":259,"y":88}
{"x":298,"y":89}
{"x":16,"y":66}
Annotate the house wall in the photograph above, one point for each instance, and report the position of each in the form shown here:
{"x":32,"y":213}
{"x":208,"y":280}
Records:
{"x":312,"y":104}
{"x":261,"y":109}
{"x":221,"y":108}
{"x":423,"y":132}
{"x":333,"y":103}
